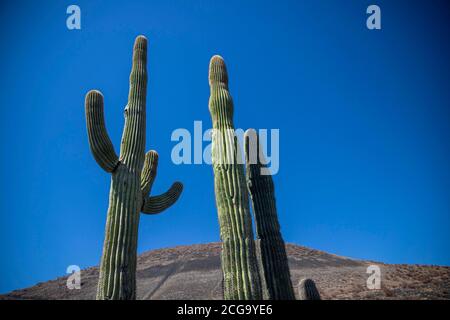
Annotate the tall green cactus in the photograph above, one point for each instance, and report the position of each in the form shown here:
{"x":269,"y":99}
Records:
{"x":239,"y":264}
{"x":307,"y":290}
{"x":132,"y":176}
{"x":270,"y":245}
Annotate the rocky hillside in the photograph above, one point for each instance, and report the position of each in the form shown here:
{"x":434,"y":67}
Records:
{"x":193,"y":272}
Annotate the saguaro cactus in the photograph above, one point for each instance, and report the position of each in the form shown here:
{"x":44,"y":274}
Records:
{"x":132,"y":176}
{"x":270,"y":245}
{"x":239,"y":264}
{"x":307,"y":290}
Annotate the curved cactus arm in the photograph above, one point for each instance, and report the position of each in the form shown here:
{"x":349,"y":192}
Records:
{"x":157,"y":204}
{"x":148,"y":174}
{"x":99,"y":141}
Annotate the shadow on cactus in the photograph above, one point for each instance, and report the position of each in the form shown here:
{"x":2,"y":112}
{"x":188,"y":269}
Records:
{"x":132,"y":177}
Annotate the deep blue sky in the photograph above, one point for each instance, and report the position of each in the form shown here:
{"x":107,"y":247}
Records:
{"x":363,"y":117}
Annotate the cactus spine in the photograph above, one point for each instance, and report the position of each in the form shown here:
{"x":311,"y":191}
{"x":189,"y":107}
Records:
{"x":239,"y":264}
{"x":270,"y":245}
{"x":132,"y":175}
{"x":307,"y":290}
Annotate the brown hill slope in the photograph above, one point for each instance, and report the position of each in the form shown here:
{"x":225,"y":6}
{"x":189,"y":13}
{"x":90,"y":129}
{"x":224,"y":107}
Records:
{"x":193,"y":272}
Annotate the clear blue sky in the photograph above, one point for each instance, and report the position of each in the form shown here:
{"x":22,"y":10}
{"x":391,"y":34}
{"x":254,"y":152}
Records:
{"x":363,"y":117}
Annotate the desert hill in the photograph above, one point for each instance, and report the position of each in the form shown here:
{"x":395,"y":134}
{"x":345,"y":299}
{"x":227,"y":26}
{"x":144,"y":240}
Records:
{"x":193,"y":272}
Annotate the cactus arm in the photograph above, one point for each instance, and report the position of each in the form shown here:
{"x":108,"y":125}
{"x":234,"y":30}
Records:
{"x":148,"y":174}
{"x":99,"y":141}
{"x":133,"y":138}
{"x":157,"y":204}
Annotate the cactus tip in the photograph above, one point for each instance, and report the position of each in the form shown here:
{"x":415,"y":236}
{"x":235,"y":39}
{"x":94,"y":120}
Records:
{"x":178,"y":186}
{"x":93,"y":97}
{"x":217,"y":59}
{"x":218,"y":70}
{"x":94,"y":92}
{"x":152,"y":153}
{"x":140,"y":42}
{"x":152,"y":156}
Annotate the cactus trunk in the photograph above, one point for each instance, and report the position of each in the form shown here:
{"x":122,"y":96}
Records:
{"x":118,"y":264}
{"x":239,"y":264}
{"x":132,"y":175}
{"x":271,"y":248}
